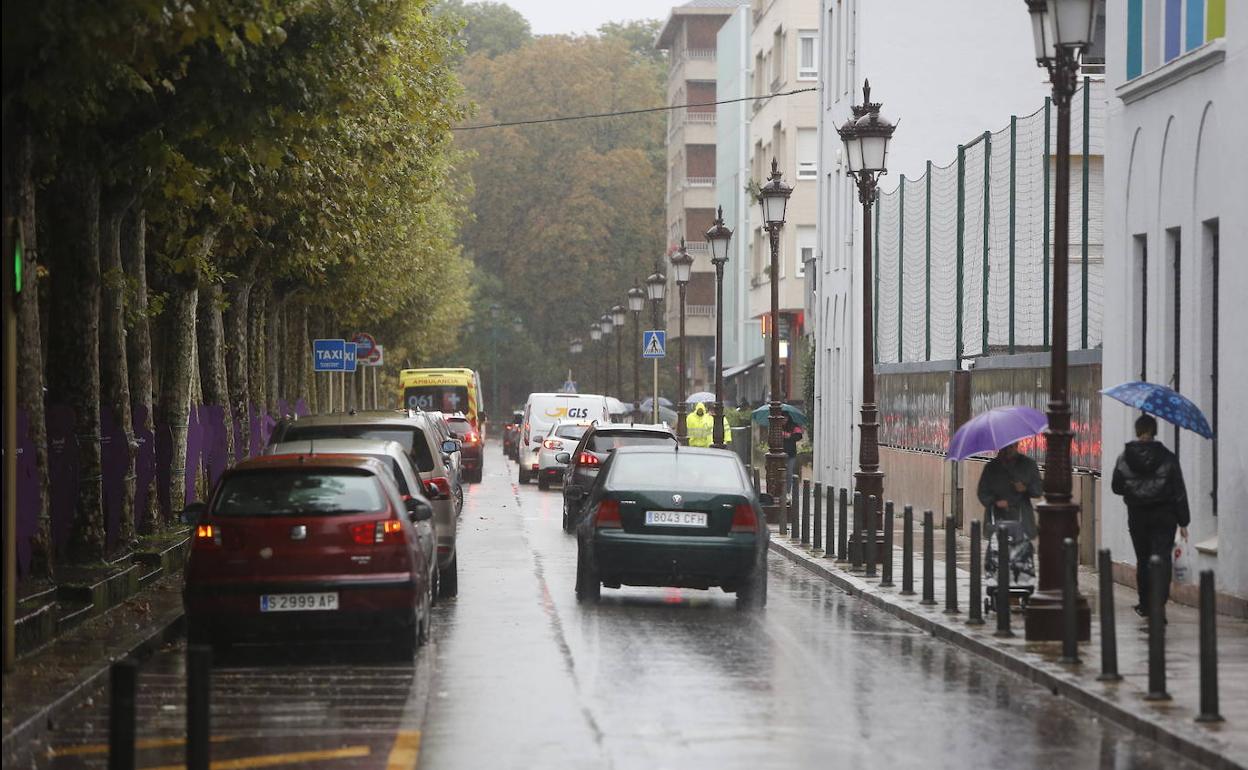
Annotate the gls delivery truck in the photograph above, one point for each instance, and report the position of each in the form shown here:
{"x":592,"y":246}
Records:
{"x":545,"y":409}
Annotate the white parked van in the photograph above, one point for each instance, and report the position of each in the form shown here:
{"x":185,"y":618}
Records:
{"x":543,"y":410}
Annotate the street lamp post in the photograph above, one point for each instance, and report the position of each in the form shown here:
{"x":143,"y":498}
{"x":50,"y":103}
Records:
{"x":636,"y":301}
{"x":774,"y":197}
{"x":866,"y":137}
{"x":656,"y":290}
{"x":607,"y":326}
{"x":1061,"y":29}
{"x":682,"y":263}
{"x":595,"y":334}
{"x":618,"y":316}
{"x":575,"y":349}
{"x":719,"y":236}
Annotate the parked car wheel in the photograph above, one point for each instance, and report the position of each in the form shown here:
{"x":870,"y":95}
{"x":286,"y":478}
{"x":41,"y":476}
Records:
{"x":588,"y":581}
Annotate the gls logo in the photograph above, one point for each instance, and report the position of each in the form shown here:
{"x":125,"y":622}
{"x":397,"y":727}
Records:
{"x":570,"y":412}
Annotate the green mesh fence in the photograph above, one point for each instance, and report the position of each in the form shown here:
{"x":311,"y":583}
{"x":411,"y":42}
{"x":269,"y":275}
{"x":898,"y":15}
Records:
{"x":963,"y":252}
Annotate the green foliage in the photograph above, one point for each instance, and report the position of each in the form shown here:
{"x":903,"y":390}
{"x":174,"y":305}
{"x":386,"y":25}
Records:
{"x":639,"y":36}
{"x":808,"y":383}
{"x":486,"y":27}
{"x":737,"y":418}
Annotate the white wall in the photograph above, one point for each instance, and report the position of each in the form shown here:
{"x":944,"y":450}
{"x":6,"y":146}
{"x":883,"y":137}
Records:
{"x":1176,"y":159}
{"x":945,"y":71}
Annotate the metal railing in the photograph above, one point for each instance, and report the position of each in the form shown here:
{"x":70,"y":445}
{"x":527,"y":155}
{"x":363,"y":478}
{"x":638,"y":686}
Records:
{"x":702,"y":311}
{"x":700,"y":181}
{"x":693,"y":116}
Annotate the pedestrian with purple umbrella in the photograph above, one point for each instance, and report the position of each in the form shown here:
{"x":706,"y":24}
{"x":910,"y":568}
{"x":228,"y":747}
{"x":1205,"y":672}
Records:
{"x":1010,"y":481}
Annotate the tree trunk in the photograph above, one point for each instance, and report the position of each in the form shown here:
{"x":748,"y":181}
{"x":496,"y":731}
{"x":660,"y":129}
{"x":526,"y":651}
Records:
{"x":74,"y":353}
{"x":19,"y":201}
{"x":139,"y":346}
{"x":236,"y":353}
{"x":114,"y":371}
{"x":273,"y":359}
{"x":258,"y":347}
{"x":211,"y":348}
{"x":302,"y":355}
{"x":177,"y":372}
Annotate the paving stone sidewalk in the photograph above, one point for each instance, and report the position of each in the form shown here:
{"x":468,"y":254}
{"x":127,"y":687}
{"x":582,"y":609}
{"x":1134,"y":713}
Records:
{"x":47,"y":684}
{"x":1171,"y":723}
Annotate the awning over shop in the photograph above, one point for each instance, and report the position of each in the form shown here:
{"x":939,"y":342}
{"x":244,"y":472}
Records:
{"x":743,"y":368}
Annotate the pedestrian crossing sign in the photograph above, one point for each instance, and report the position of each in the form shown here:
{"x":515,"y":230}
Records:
{"x":654,"y":343}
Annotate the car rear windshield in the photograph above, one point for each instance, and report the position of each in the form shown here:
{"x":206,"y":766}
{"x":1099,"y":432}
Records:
{"x":285,"y":491}
{"x":460,"y":425}
{"x":412,"y":439}
{"x":571,"y":431}
{"x":605,"y":442}
{"x":677,"y":472}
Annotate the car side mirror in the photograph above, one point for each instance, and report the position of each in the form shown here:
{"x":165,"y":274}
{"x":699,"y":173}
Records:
{"x":193,"y":512}
{"x":450,"y":446}
{"x":419,"y":510}
{"x":563,"y":457}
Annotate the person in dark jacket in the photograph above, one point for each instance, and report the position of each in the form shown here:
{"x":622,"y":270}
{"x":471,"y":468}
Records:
{"x":1005,"y":489}
{"x":792,"y":435}
{"x":1149,"y":478}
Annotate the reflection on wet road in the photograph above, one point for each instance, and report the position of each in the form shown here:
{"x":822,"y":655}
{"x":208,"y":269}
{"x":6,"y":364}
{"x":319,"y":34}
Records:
{"x":521,"y":676}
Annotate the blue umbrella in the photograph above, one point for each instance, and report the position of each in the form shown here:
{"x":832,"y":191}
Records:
{"x":1160,"y":401}
{"x":760,"y":414}
{"x":994,"y":429}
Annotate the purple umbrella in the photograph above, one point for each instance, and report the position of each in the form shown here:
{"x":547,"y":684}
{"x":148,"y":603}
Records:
{"x":994,"y":429}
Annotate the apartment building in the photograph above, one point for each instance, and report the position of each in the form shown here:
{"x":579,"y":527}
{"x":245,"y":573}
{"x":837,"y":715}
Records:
{"x":784,"y":56}
{"x":1176,"y":194}
{"x":689,"y":37}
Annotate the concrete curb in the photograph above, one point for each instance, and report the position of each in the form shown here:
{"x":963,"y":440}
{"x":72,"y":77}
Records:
{"x":1052,"y":678}
{"x":19,"y":740}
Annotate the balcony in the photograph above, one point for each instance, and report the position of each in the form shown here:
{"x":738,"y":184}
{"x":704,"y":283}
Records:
{"x":700,"y":117}
{"x":699,"y":53}
{"x":700,"y":181}
{"x":699,"y":311}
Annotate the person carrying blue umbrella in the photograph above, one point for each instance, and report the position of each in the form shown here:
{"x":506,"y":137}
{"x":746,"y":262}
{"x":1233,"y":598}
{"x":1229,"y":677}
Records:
{"x":1148,"y":477}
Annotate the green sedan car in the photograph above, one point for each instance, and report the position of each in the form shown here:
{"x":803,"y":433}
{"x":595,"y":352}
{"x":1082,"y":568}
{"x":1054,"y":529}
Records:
{"x":673,"y":516}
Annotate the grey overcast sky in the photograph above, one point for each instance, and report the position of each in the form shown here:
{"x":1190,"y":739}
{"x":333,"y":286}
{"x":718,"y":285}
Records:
{"x":549,"y":17}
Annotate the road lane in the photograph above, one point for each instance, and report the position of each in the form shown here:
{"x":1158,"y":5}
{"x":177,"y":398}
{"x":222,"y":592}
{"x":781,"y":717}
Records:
{"x":664,"y":678}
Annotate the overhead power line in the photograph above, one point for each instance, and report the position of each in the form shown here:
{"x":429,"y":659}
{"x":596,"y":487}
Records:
{"x":592,"y":116}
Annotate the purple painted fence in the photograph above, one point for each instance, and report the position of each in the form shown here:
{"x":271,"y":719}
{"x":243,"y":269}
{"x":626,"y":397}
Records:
{"x":114,"y":462}
{"x":144,"y":464}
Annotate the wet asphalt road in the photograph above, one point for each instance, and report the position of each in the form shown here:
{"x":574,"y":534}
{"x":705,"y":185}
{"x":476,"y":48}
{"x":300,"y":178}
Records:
{"x":521,"y":676}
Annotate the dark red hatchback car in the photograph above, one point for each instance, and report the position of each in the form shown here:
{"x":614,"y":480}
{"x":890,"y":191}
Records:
{"x":311,"y":546}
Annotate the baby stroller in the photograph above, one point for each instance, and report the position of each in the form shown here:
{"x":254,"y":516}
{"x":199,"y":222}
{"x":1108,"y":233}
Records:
{"x":1022,"y":565}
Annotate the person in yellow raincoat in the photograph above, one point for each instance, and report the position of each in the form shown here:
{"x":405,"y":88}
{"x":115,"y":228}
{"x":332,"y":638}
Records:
{"x":700,"y":426}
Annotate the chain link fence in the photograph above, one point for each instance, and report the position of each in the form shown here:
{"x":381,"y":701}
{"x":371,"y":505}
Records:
{"x":963,"y":253}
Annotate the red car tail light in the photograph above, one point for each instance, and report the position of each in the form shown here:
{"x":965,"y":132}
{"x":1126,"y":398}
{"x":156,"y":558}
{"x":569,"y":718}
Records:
{"x":207,"y":535}
{"x":472,"y":438}
{"x":438,"y":489}
{"x":373,"y":532}
{"x":588,"y":458}
{"x":743,"y":518}
{"x":550,"y":443}
{"x":608,"y":515}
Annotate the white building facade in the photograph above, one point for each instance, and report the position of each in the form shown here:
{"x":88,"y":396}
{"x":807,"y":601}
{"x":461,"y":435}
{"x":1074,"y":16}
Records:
{"x":976,"y":69}
{"x":1176,"y":235}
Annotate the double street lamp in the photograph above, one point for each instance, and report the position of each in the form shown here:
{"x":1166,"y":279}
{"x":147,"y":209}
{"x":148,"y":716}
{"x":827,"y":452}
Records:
{"x":774,"y":197}
{"x":1061,"y":29}
{"x":595,"y":334}
{"x":682,"y":264}
{"x":866,"y":137}
{"x":656,"y":290}
{"x":574,"y":348}
{"x":618,"y":316}
{"x":636,"y":301}
{"x":719,"y":236}
{"x":605,"y":323}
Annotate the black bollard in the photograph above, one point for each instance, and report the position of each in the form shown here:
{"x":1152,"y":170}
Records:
{"x":757,"y":488}
{"x":907,"y":551}
{"x":951,"y":566}
{"x":976,"y":600}
{"x":805,"y":511}
{"x":198,"y":709}
{"x":1158,"y":577}
{"x":795,"y":510}
{"x":1109,"y":633}
{"x":855,"y":546}
{"x":123,"y":680}
{"x":868,"y":542}
{"x":886,"y":558}
{"x":784,"y":510}
{"x":816,"y":516}
{"x":1208,"y":650}
{"x":1070,"y":612}
{"x":842,"y":526}
{"x":1002,"y":600}
{"x":929,"y":566}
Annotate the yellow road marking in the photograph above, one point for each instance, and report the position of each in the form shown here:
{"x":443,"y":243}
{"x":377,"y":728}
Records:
{"x":144,"y":743}
{"x":405,"y":752}
{"x":270,"y":760}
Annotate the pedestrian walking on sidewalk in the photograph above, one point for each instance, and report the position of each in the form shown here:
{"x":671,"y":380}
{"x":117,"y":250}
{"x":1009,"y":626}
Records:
{"x":792,"y":435}
{"x":1149,"y":478}
{"x":701,"y":425}
{"x":1010,"y":481}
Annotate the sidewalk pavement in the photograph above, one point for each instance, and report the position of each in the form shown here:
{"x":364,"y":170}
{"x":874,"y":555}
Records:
{"x":1170,"y":723}
{"x":47,"y":683}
